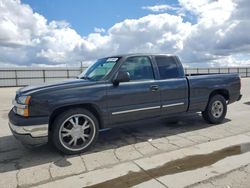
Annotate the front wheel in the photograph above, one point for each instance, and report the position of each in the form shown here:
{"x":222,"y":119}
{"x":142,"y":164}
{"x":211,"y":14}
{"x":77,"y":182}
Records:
{"x":75,"y":131}
{"x":216,"y":110}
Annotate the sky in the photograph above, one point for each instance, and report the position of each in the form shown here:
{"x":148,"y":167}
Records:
{"x":203,"y":33}
{"x":84,"y":16}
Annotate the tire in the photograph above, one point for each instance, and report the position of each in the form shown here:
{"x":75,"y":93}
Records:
{"x":216,"y":110}
{"x":79,"y":125}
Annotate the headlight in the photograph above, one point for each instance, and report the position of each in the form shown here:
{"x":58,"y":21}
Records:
{"x":22,"y":111}
{"x":21,"y":105}
{"x":23,"y":100}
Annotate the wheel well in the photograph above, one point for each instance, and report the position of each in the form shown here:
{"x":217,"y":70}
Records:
{"x":91,"y":107}
{"x":222,"y":92}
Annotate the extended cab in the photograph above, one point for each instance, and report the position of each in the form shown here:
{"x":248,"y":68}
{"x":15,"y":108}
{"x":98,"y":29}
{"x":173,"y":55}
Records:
{"x":116,"y":91}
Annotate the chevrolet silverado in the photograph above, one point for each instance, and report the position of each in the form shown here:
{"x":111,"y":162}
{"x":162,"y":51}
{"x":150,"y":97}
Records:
{"x":117,"y":90}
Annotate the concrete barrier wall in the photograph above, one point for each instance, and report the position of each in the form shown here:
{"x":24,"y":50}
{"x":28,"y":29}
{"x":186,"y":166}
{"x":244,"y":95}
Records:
{"x":29,"y":76}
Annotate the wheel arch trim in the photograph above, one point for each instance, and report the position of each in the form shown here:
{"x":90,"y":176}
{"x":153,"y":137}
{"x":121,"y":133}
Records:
{"x":223,"y":92}
{"x":93,"y":108}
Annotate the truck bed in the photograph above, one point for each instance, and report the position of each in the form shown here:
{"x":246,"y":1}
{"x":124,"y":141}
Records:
{"x":201,"y":86}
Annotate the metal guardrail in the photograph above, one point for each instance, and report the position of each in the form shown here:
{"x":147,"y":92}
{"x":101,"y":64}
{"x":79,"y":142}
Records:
{"x":242,"y":71}
{"x":30,"y":76}
{"x":12,"y":77}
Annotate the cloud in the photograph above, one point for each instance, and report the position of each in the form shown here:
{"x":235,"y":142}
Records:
{"x":26,"y":37}
{"x":219,"y":35}
{"x":221,"y":31}
{"x":159,"y":8}
{"x":99,"y":30}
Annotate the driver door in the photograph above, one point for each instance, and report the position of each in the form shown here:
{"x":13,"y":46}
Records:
{"x":137,"y":99}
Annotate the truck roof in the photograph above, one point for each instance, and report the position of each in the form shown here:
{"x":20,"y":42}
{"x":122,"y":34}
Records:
{"x":143,"y":54}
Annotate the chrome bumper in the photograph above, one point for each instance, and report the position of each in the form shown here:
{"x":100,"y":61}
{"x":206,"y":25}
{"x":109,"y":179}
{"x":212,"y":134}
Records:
{"x":33,"y":130}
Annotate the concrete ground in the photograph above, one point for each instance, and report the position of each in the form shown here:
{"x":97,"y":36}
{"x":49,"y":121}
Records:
{"x":191,"y":153}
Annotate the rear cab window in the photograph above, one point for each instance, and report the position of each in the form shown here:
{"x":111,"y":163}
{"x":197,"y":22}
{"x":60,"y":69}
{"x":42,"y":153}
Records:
{"x":167,"y":67}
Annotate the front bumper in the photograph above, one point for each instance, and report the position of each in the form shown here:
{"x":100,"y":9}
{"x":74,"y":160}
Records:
{"x":32,"y":131}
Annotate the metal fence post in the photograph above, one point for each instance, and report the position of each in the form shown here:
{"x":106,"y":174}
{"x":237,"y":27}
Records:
{"x":67,"y":73}
{"x":44,"y":76}
{"x":16,"y":77}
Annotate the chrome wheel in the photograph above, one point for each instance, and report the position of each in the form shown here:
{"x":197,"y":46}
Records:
{"x":77,"y":132}
{"x":217,"y":109}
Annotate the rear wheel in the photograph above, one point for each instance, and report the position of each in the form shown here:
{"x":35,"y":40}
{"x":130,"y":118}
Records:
{"x":216,"y":110}
{"x":75,"y":131}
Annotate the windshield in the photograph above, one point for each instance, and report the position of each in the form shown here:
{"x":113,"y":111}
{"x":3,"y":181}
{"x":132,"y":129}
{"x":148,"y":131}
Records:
{"x":99,"y":69}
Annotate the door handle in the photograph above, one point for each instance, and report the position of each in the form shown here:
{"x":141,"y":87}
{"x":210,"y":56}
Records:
{"x":154,"y":88}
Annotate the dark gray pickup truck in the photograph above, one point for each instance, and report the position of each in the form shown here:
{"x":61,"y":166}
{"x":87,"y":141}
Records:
{"x":114,"y":91}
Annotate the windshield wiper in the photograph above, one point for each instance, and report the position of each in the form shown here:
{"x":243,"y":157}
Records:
{"x":85,"y":78}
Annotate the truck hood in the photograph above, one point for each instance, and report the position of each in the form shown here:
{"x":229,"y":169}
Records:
{"x":57,"y":85}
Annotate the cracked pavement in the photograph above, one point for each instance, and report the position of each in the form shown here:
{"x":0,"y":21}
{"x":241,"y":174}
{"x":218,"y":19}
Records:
{"x":22,"y":167}
{"x":235,"y":179}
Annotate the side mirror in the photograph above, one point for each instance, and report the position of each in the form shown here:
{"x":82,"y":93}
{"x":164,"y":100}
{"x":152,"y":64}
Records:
{"x":121,"y":76}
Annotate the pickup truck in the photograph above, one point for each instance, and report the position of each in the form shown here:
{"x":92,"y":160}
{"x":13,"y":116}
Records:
{"x":113,"y":91}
